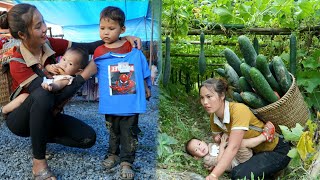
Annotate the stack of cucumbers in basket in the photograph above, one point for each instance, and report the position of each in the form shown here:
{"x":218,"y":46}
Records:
{"x":256,"y":80}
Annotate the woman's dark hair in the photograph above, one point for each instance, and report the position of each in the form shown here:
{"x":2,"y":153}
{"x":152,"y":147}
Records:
{"x":219,"y":85}
{"x":19,"y":18}
{"x":84,"y":55}
{"x":113,"y":13}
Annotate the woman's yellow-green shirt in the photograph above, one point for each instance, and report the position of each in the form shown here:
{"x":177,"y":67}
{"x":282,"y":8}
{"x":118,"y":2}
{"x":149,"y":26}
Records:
{"x":239,"y":116}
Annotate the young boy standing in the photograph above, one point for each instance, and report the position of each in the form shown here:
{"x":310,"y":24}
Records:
{"x":124,"y":85}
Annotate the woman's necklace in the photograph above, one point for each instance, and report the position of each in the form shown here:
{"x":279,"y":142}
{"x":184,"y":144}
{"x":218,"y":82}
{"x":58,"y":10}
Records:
{"x":40,"y":56}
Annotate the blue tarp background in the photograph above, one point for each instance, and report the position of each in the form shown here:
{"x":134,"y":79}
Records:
{"x":80,"y":19}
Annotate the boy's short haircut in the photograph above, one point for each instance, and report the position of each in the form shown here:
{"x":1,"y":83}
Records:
{"x":113,"y":13}
{"x":187,"y":145}
{"x":83,"y":53}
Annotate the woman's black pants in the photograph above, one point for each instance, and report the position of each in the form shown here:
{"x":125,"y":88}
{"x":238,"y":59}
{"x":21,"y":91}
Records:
{"x":264,"y":164}
{"x":34,"y":118}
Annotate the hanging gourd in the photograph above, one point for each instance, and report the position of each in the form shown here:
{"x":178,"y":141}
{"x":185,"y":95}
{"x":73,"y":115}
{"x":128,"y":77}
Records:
{"x":202,"y":58}
{"x":293,"y":54}
{"x":167,"y":64}
{"x":256,"y":44}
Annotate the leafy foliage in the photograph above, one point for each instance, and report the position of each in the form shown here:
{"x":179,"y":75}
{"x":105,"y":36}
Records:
{"x":181,"y":118}
{"x":164,"y":142}
{"x":303,"y":153}
{"x":178,"y":14}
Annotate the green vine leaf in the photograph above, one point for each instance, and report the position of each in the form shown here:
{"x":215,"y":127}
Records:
{"x":306,"y":9}
{"x":313,"y":61}
{"x":295,"y":157}
{"x":309,"y":80}
{"x":313,"y":100}
{"x":293,"y":134}
{"x":293,"y":153}
{"x":225,"y":14}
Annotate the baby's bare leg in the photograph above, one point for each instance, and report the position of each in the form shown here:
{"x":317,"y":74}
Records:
{"x":253,"y":142}
{"x":14,"y":103}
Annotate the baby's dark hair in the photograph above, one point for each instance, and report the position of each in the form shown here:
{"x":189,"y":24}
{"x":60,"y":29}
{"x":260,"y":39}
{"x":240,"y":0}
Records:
{"x":187,"y":144}
{"x":113,"y":13}
{"x":84,"y":55}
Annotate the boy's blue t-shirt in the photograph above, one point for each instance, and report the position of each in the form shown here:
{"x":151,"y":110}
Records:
{"x":121,"y":82}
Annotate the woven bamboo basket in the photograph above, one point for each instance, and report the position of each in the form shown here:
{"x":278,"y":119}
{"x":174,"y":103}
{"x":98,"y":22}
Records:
{"x":5,"y":83}
{"x":288,"y":110}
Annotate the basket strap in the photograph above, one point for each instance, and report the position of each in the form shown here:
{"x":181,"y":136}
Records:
{"x":255,"y":128}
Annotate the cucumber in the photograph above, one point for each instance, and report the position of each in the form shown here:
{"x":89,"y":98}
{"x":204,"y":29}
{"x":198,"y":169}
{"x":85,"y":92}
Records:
{"x":202,"y":58}
{"x":167,"y":63}
{"x":253,"y":100}
{"x":271,"y":69}
{"x":232,"y":60}
{"x":293,"y":54}
{"x":245,"y":70}
{"x":262,"y":86}
{"x":247,"y":50}
{"x":282,"y":74}
{"x":221,"y":72}
{"x":244,"y":85}
{"x":262,"y":66}
{"x":237,"y":97}
{"x":256,"y":44}
{"x":232,"y":77}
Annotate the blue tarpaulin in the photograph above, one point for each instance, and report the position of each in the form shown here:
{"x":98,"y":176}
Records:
{"x":80,"y":19}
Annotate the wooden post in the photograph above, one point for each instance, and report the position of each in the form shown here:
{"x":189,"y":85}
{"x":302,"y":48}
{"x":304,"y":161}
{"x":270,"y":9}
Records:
{"x":151,"y":38}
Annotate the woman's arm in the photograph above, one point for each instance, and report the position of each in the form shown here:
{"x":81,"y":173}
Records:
{"x":235,"y":139}
{"x":89,"y":70}
{"x":222,"y":146}
{"x":90,"y":47}
{"x":56,"y":86}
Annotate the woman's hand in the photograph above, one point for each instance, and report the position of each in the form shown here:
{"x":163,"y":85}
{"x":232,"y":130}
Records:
{"x":217,"y":138}
{"x":46,"y":86}
{"x":209,"y":168}
{"x":224,"y":141}
{"x":211,"y":176}
{"x":134,"y":41}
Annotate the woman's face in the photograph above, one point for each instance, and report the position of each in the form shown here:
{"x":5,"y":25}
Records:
{"x":210,"y":100}
{"x":37,"y":31}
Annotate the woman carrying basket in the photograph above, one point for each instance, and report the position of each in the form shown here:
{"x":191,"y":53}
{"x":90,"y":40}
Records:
{"x":35,"y":117}
{"x":235,"y":119}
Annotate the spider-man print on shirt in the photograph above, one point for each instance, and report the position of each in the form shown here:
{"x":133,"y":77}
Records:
{"x":121,"y":83}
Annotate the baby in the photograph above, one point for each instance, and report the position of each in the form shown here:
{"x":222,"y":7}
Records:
{"x":72,"y":63}
{"x":212,"y":152}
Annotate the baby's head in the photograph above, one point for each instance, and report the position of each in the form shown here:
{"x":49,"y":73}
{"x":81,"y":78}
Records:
{"x":73,"y":61}
{"x":197,"y":148}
